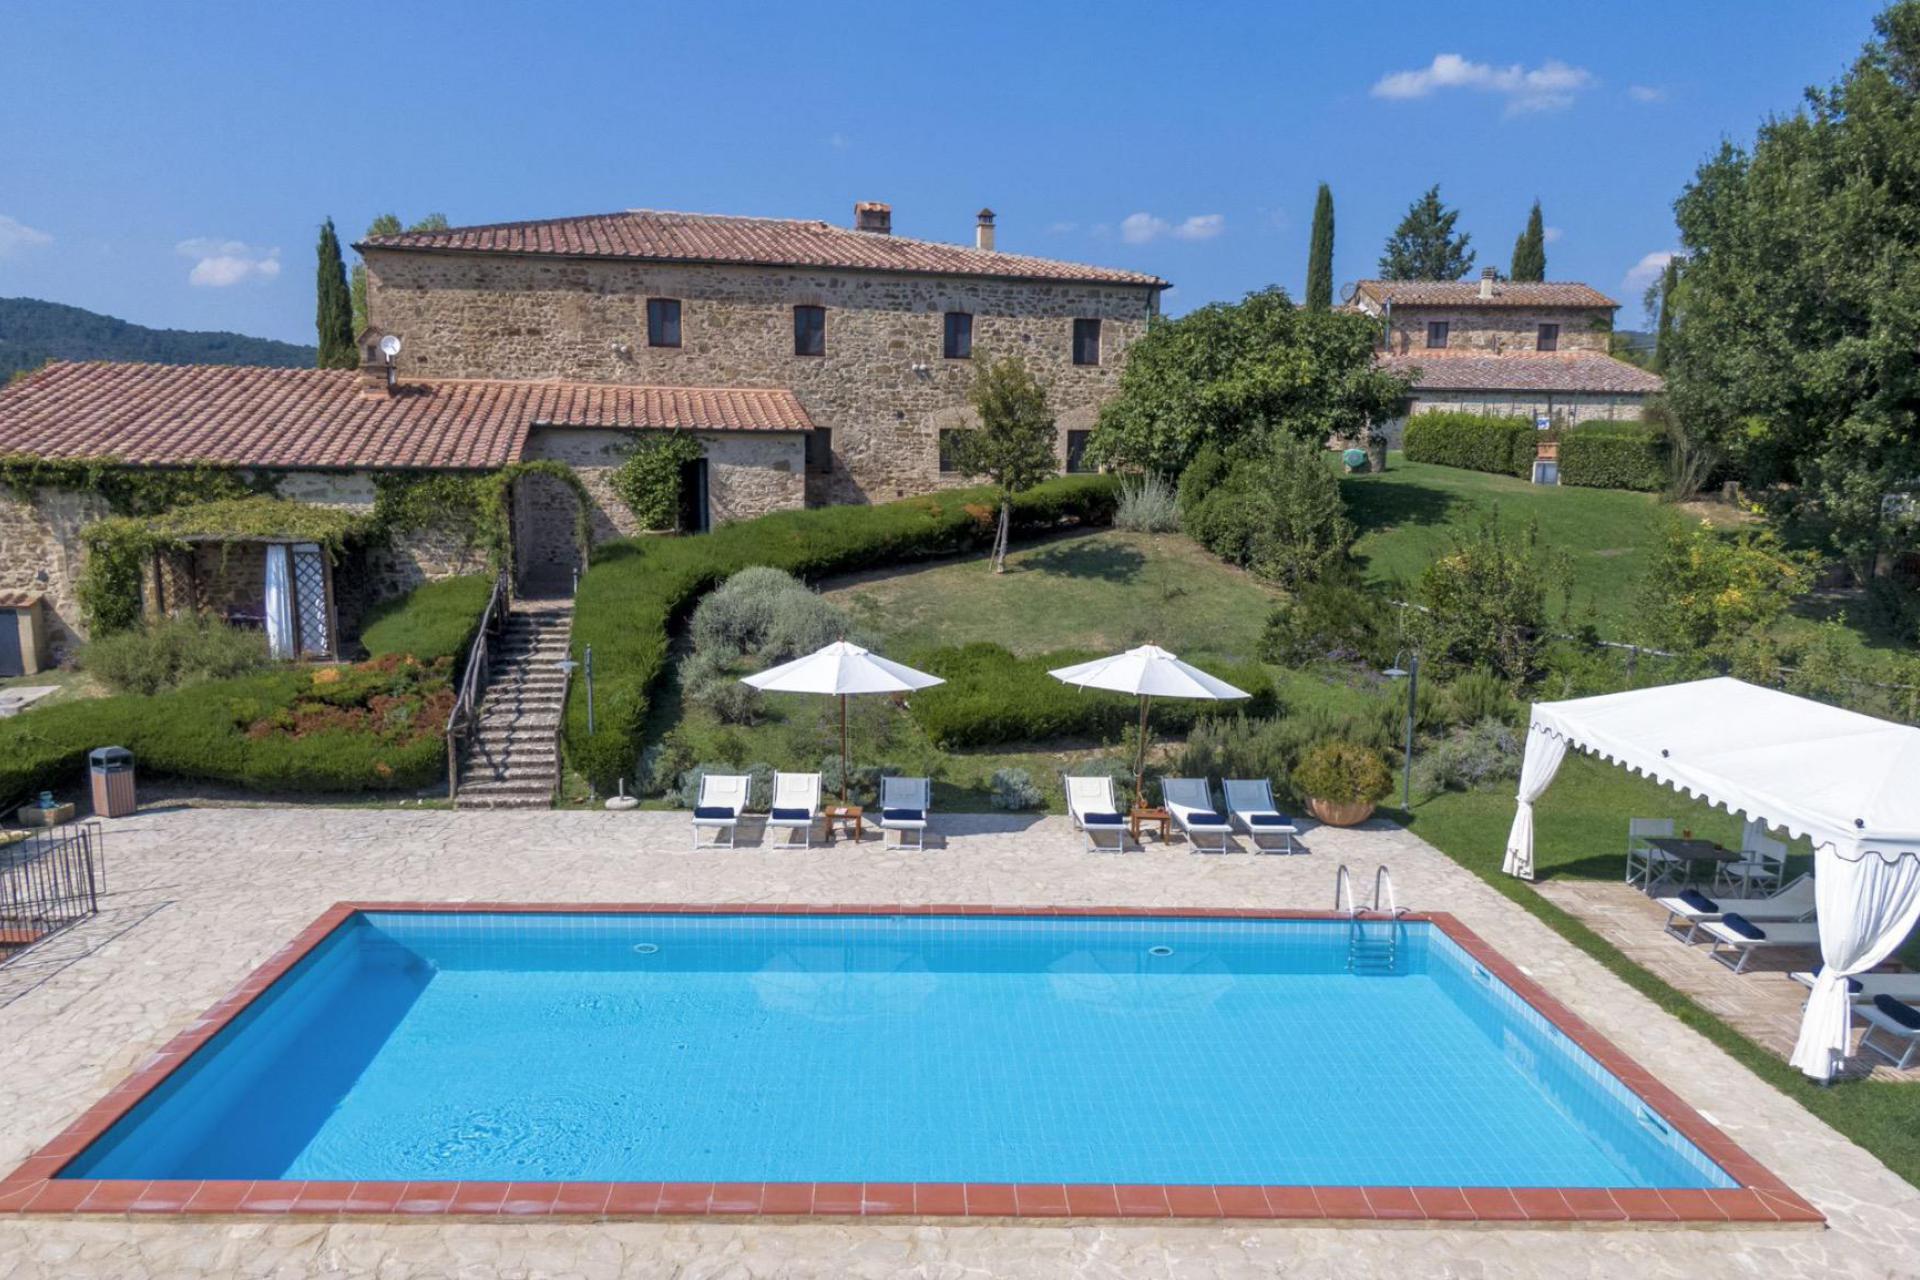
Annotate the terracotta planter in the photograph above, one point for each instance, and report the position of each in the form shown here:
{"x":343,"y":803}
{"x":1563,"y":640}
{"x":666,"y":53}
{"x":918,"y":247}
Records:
{"x":1335,"y":814}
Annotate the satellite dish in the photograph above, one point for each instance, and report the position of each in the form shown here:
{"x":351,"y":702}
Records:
{"x":1349,"y":291}
{"x":390,"y":346}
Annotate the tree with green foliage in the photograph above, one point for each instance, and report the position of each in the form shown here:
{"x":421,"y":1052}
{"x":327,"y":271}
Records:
{"x":386,"y":224}
{"x":1798,"y":310}
{"x":1320,"y":253}
{"x":1658,"y":301}
{"x":1706,"y":590}
{"x":1279,"y":514}
{"x":1483,"y":603}
{"x":1530,"y":251}
{"x":334,"y":314}
{"x":1235,"y":374}
{"x":1014,"y":444}
{"x":1424,"y":246}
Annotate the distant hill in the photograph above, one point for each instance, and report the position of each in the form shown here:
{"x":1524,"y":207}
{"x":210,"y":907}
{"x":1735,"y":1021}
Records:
{"x":33,"y":332}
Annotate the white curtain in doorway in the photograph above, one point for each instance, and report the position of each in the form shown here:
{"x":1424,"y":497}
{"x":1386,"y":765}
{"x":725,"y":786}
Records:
{"x":279,"y":602}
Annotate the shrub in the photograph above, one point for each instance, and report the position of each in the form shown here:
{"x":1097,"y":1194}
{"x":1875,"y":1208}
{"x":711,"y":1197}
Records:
{"x":1338,"y":620}
{"x":992,"y":697}
{"x":1470,"y":759}
{"x":1147,"y":505}
{"x":1279,"y":514}
{"x":636,"y":587}
{"x":863,"y":780}
{"x":1343,"y":773}
{"x":1627,"y":455}
{"x":1705,"y":590}
{"x":1485,"y":602}
{"x":1474,"y":441}
{"x":1477,"y":696}
{"x":434,"y":620}
{"x":1203,"y":475}
{"x":730,"y":701}
{"x":1242,"y":747}
{"x":174,"y":651}
{"x":1014,"y":789}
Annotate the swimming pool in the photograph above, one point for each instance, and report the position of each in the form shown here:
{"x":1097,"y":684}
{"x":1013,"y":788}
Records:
{"x":876,"y":1048}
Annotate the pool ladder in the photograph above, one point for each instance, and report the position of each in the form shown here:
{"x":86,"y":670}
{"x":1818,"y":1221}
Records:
{"x":1373,"y":932}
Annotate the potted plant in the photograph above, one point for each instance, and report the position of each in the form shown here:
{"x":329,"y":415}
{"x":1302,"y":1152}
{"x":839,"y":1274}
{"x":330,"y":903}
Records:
{"x":1342,"y":781}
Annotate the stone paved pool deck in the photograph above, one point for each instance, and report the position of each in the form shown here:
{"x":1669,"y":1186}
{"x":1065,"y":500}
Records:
{"x":200,"y":897}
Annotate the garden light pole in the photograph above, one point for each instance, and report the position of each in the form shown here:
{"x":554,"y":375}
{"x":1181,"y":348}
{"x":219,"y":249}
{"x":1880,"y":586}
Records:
{"x":1411,"y":674}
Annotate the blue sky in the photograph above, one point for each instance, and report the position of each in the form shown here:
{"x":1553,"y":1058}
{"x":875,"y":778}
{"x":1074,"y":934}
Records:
{"x":170,"y":163}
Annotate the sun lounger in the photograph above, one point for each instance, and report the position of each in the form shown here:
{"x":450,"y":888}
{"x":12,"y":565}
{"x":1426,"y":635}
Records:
{"x":1736,"y":939}
{"x":1250,"y":806}
{"x":723,"y":798}
{"x":904,"y":806}
{"x":1892,"y":1017}
{"x":796,"y":805}
{"x":1862,"y":988}
{"x":1190,"y":802}
{"x":1090,"y":801}
{"x":1688,"y":910}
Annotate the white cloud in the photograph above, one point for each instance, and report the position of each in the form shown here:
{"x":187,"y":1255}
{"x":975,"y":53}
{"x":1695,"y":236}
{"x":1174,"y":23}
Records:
{"x":1551,"y":234}
{"x":218,"y":264}
{"x":1061,"y":228}
{"x":1139,"y":228}
{"x":1645,"y":272}
{"x":16,"y":235}
{"x":1645,"y":93}
{"x":1547,"y":87}
{"x":839,"y":141}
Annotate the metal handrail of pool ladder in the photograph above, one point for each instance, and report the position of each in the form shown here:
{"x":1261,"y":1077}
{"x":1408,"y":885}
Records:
{"x":1343,"y":892}
{"x":1383,"y":887}
{"x":1382,"y":894}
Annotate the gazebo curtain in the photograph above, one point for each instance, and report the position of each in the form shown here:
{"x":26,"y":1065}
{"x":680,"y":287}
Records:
{"x":279,"y":601}
{"x":1844,"y":781}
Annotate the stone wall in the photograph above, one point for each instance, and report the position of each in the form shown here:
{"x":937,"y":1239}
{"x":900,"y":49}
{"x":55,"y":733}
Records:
{"x":883,"y":388}
{"x":1502,"y":330}
{"x":41,"y":554}
{"x":1565,"y":408}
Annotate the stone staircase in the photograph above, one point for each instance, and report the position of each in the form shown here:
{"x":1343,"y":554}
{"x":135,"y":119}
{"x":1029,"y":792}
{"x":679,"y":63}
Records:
{"x":512,"y":758}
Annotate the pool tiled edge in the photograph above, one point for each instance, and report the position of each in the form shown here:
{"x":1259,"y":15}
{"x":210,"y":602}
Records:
{"x":1761,"y":1198}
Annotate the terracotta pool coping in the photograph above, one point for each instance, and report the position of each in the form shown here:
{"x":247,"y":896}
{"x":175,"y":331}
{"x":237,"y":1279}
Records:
{"x":1760,"y":1199}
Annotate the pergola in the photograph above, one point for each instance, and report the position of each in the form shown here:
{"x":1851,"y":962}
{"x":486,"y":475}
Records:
{"x":1848,"y":783}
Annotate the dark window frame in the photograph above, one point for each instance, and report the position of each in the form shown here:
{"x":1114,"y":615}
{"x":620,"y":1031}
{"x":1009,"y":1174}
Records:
{"x":947,"y":343}
{"x":1442,"y":329}
{"x":1083,"y":327}
{"x":943,"y":445}
{"x":652,"y":327}
{"x":809,"y":310}
{"x":1546,"y":337}
{"x":1076,"y":458}
{"x":819,"y":451}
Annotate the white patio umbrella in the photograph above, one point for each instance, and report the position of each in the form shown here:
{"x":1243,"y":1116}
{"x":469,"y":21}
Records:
{"x":1148,"y":672}
{"x":841,"y":669}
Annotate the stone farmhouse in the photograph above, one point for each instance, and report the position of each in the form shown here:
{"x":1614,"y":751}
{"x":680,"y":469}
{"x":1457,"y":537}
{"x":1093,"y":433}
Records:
{"x":813,"y":364}
{"x":1504,"y":348}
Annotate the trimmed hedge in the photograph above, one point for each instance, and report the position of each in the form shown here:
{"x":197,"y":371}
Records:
{"x":1625,"y":455}
{"x":992,"y":698}
{"x":201,"y":731}
{"x":1504,"y":446}
{"x":635,"y":588}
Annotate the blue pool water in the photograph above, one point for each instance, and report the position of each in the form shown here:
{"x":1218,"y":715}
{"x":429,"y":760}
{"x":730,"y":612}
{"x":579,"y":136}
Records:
{"x":891,"y":1049}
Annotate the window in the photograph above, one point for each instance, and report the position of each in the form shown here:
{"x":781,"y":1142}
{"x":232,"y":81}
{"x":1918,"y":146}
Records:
{"x":663,"y":322}
{"x":947,"y":438}
{"x":1086,"y":342}
{"x":1077,"y":451}
{"x":1436,"y":334}
{"x":959,"y":343}
{"x":820,"y":451}
{"x":1548,"y":339}
{"x":809,"y":331}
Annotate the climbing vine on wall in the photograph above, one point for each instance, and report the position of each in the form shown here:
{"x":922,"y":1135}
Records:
{"x":474,"y":507}
{"x":130,"y":490}
{"x":649,"y":480}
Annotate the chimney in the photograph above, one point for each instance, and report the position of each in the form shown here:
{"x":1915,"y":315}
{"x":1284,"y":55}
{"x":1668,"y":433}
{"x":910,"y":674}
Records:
{"x":874,"y":216}
{"x":377,"y":374}
{"x":983,"y":230}
{"x":1487,"y":275}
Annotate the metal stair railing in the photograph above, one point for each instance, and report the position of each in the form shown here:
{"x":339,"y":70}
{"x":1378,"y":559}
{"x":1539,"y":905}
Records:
{"x":473,"y":682}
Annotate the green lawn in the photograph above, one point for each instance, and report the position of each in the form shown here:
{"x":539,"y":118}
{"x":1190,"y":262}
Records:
{"x":1410,"y":513}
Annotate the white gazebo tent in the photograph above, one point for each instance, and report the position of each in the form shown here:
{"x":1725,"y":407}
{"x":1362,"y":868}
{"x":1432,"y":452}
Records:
{"x":1847,"y":782}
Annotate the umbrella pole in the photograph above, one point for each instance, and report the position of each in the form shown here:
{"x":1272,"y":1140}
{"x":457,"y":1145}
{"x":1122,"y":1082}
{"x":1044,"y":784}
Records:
{"x":1140,"y":756}
{"x":845,"y":764}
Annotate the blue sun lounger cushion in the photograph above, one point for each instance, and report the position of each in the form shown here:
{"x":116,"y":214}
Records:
{"x":1699,"y":901}
{"x":903,"y":815}
{"x":791,"y":815}
{"x":1898,"y":1010}
{"x":1101,"y":819}
{"x":718,"y":811}
{"x":1746,"y":928}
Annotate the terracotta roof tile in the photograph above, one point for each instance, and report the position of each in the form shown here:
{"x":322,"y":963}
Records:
{"x":1466,"y":293}
{"x":707,"y":237}
{"x":1574,"y":371}
{"x":173,"y":415}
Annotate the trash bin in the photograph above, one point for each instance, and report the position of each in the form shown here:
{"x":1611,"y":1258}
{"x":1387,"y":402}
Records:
{"x":110,"y":769}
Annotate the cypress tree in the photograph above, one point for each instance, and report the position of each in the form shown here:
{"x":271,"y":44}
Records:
{"x":1530,"y":250}
{"x":1663,"y":323}
{"x":1320,"y":253}
{"x":333,"y":317}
